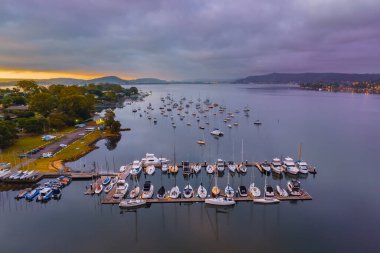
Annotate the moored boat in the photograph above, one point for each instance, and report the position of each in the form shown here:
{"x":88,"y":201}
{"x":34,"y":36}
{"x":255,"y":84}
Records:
{"x":220,"y":201}
{"x":130,"y":203}
{"x":148,"y":190}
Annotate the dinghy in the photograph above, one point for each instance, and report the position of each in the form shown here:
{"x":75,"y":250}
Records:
{"x":32,"y":194}
{"x":282,"y":192}
{"x":221,"y":201}
{"x":197,"y":167}
{"x":231,"y":166}
{"x":129,"y":203}
{"x":210,"y":169}
{"x":106,"y":181}
{"x":98,"y":189}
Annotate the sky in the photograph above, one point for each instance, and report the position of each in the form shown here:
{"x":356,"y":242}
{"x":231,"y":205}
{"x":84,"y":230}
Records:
{"x":187,"y":40}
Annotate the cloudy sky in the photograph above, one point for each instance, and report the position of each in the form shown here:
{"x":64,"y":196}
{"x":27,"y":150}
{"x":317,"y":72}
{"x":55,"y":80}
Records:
{"x":187,"y":39}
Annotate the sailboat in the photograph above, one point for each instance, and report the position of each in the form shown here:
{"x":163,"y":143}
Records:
{"x":255,"y":191}
{"x":266,"y":200}
{"x":215,"y":190}
{"x":134,"y":193}
{"x":188,"y":191}
{"x":220,"y":201}
{"x":242,"y":168}
{"x":210,"y":168}
{"x":161,"y":190}
{"x":202,"y":192}
{"x":229,"y":191}
{"x":174,"y":192}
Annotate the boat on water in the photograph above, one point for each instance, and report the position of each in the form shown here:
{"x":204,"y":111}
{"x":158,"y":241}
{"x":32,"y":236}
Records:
{"x":108,"y":188}
{"x":229,"y":191}
{"x":276,"y":166}
{"x":210,"y":168}
{"x":302,"y":167}
{"x":255,"y":191}
{"x":202,"y":192}
{"x":45,"y":194}
{"x":150,"y":159}
{"x":220,"y":201}
{"x":174,"y":192}
{"x":32,"y":194}
{"x":121,"y":189}
{"x":201,"y":141}
{"x":242,"y":190}
{"x":242,"y":168}
{"x":22,"y":194}
{"x":186,"y":168}
{"x":188,"y":191}
{"x":265,"y":199}
{"x":130,"y":203}
{"x":294,"y":187}
{"x":136,"y":168}
{"x":196,"y":168}
{"x":148,"y":190}
{"x":265,"y":166}
{"x":231,"y":166}
{"x":99,"y":188}
{"x":217,"y":132}
{"x":289,"y":166}
{"x":257,"y":123}
{"x":57,"y":193}
{"x":106,"y":181}
{"x":161,"y":192}
{"x":282,"y":192}
{"x":220,"y":165}
{"x":269,"y":191}
{"x":164,"y":166}
{"x":150,"y":169}
{"x":173,"y":168}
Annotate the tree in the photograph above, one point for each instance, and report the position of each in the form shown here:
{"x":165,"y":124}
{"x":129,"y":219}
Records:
{"x":134,"y":90}
{"x":59,"y":120}
{"x":43,"y":103}
{"x":32,"y":125}
{"x":115,"y":126}
{"x":29,"y":86}
{"x":78,"y":106}
{"x":8,"y":133}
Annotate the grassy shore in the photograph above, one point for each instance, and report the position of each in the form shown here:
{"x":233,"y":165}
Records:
{"x":73,"y":152}
{"x":26,"y":143}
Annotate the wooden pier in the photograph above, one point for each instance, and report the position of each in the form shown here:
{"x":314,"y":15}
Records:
{"x":304,"y":196}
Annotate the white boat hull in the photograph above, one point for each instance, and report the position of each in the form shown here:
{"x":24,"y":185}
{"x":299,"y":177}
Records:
{"x":220,"y":201}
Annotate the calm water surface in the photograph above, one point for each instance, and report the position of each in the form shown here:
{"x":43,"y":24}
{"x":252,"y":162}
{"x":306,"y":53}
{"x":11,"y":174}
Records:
{"x":339,"y":133}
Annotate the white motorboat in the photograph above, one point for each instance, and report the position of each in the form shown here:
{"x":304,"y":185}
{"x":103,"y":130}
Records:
{"x":99,"y":188}
{"x":229,"y":191}
{"x":164,"y":167}
{"x":121,"y":189}
{"x":220,"y":165}
{"x":242,"y":190}
{"x":210,"y":169}
{"x":26,"y":174}
{"x":290,"y":166}
{"x":266,"y":200}
{"x":148,"y":190}
{"x":174,"y":192}
{"x":217,"y":132}
{"x":265,"y":166}
{"x":123,"y":168}
{"x":276,"y":166}
{"x":150,"y":169}
{"x":294,"y":187}
{"x":231,"y":166}
{"x":128,"y":203}
{"x":108,"y":188}
{"x":242,"y":168}
{"x":150,"y":159}
{"x":136,"y":168}
{"x":282,"y":192}
{"x":255,"y":191}
{"x":302,"y":167}
{"x":188,"y":191}
{"x":134,"y":193}
{"x":220,"y":201}
{"x":202,"y":192}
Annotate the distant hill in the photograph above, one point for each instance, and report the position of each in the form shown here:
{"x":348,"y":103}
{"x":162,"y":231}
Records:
{"x":147,"y":81}
{"x":108,"y":79}
{"x":308,"y":78}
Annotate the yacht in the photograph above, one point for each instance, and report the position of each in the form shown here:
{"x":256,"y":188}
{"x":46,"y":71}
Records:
{"x":121,"y":189}
{"x":255,"y":191}
{"x":164,"y":166}
{"x":148,"y":190}
{"x":289,"y":166}
{"x":134,"y":193}
{"x":217,"y":132}
{"x":220,"y":165}
{"x":294,"y":187}
{"x":150,"y":159}
{"x":150,"y":169}
{"x":210,"y":168}
{"x":269,"y":191}
{"x":302,"y":167}
{"x":129,"y":203}
{"x":282,"y":192}
{"x":276,"y":166}
{"x":161,"y":192}
{"x":220,"y":201}
{"x":136,"y":168}
{"x":242,"y":190}
{"x":196,"y":168}
{"x":265,"y":166}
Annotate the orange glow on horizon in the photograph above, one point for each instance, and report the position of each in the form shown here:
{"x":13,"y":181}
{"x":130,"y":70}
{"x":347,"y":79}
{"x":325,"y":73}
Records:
{"x":30,"y":74}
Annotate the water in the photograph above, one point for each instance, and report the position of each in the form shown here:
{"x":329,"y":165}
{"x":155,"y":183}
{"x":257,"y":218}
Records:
{"x":338,"y":132}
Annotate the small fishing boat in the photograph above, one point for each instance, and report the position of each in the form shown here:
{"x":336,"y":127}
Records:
{"x":257,"y":123}
{"x":188,"y":191}
{"x":23,"y":194}
{"x":276,"y":166}
{"x":294,"y":187}
{"x":32,"y":194}
{"x":148,"y":190}
{"x":202,"y":192}
{"x":220,"y":201}
{"x":134,"y":193}
{"x":242,"y":190}
{"x":201,"y":141}
{"x":164,"y":166}
{"x":231,"y":166}
{"x":57,"y":193}
{"x":130,"y":203}
{"x":136,"y":168}
{"x":98,"y":188}
{"x":106,"y":180}
{"x":161,"y":192}
{"x":45,"y":195}
{"x":217,"y":132}
{"x":174,"y":192}
{"x":150,"y":169}
{"x":220,"y":165}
